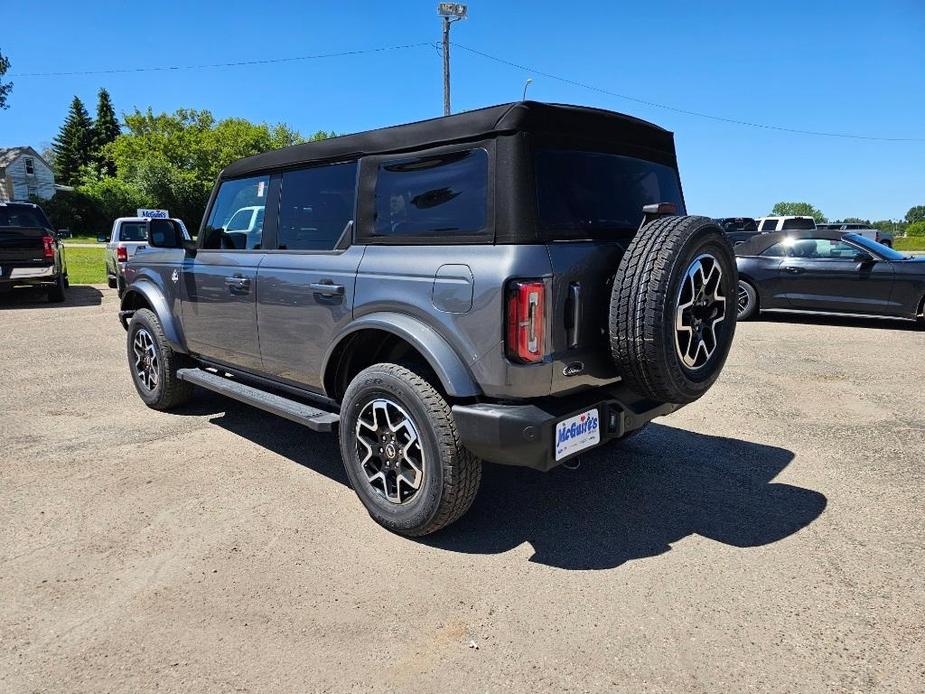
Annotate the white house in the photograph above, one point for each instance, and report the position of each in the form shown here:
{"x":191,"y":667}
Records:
{"x":23,"y":173}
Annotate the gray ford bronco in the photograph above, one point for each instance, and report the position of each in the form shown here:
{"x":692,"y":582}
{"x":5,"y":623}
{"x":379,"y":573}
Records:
{"x":516,"y":285}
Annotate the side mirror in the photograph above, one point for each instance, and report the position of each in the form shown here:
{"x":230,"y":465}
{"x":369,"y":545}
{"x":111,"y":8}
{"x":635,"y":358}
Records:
{"x":189,"y":246}
{"x":164,"y":233}
{"x":102,"y":238}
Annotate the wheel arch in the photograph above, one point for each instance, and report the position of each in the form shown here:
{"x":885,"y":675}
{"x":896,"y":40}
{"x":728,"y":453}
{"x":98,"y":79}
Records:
{"x":147,"y":295}
{"x":381,"y":336}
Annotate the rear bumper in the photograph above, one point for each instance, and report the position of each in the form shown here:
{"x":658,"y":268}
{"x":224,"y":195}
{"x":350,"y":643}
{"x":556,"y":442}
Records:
{"x":525,"y":434}
{"x":26,"y":274}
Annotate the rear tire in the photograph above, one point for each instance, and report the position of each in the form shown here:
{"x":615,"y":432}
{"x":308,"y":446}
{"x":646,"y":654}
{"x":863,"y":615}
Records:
{"x":153,"y":363}
{"x":746,"y":300}
{"x":56,"y":292}
{"x":421,"y":478}
{"x":673,"y":308}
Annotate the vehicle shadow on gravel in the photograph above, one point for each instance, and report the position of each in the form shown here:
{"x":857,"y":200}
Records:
{"x":625,"y":502}
{"x":34,"y":297}
{"x":633,"y":500}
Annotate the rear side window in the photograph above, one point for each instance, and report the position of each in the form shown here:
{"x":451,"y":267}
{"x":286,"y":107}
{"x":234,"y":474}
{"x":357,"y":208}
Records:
{"x":236,"y":220}
{"x":438,"y":195}
{"x":769,"y":225}
{"x":22,"y":217}
{"x":133,"y":231}
{"x":599,"y":195}
{"x":316,"y":205}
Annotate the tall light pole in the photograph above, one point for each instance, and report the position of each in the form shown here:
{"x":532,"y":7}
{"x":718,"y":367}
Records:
{"x":450,"y":12}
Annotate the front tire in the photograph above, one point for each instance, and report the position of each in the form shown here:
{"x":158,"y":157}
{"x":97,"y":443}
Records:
{"x":402,"y":452}
{"x":154,"y":364}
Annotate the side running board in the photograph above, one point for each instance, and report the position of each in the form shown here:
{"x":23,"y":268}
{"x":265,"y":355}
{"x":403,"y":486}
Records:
{"x":313,"y":418}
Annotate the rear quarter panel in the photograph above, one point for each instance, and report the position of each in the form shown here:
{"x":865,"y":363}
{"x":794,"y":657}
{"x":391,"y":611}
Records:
{"x":404,"y":279}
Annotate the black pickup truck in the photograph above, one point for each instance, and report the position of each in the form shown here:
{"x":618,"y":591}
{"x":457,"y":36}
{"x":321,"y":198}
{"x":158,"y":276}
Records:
{"x":30,"y":251}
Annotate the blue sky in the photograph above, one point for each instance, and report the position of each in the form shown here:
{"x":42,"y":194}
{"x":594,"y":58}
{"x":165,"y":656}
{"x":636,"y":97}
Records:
{"x":836,"y":66}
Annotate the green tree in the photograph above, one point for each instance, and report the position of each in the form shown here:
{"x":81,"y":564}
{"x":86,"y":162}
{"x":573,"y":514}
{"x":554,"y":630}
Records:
{"x":105,"y":130}
{"x":74,"y":144}
{"x":916,"y":228}
{"x":5,"y":88}
{"x":798,"y":209}
{"x":889,"y":225}
{"x":173,"y":159}
{"x":915,"y":214}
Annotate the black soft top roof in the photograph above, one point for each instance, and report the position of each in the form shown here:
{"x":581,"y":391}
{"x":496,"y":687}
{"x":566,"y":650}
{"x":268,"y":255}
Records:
{"x":757,"y":245}
{"x":521,"y":116}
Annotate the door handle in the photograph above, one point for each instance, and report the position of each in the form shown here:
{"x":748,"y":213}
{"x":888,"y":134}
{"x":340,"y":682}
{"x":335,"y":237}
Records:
{"x":327,"y":288}
{"x":241,"y":283}
{"x":793,"y":270}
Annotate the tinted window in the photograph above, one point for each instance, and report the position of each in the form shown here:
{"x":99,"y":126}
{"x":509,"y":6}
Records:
{"x":315,"y":206}
{"x":799,"y":223}
{"x":813,"y":248}
{"x":431,"y":196}
{"x":232,"y":223}
{"x":769,"y":225}
{"x":22,"y":217}
{"x":133,"y":231}
{"x":592,"y":194}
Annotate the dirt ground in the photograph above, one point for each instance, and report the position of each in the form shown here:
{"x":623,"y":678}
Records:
{"x":770,"y":537}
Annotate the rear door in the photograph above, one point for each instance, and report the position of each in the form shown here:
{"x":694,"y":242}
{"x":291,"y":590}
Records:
{"x":825,"y":275}
{"x":219,"y":283}
{"x":305,"y":284}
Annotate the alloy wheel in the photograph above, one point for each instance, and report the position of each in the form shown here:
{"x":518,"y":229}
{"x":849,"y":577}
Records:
{"x":146,"y":361}
{"x":700,"y":308}
{"x":389,"y":450}
{"x":742,"y":299}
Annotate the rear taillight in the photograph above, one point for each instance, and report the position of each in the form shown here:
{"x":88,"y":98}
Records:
{"x":526,"y":303}
{"x":122,"y":254}
{"x":48,"y":247}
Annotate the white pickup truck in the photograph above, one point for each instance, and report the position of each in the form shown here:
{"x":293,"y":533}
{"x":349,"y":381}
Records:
{"x":128,"y":236}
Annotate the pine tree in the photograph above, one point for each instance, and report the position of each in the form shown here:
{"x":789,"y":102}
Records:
{"x":74,"y":145}
{"x":105,"y":130}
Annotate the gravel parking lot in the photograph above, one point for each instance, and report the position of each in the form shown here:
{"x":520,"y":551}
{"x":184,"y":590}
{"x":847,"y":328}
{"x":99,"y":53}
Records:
{"x":768,"y":537}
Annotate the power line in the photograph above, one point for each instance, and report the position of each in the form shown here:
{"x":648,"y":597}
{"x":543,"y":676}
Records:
{"x":239,"y":63}
{"x":646,"y":102}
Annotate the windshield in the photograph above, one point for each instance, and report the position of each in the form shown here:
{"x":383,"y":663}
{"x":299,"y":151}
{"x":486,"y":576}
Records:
{"x":22,"y":217}
{"x":598,"y":195}
{"x":874,"y":247}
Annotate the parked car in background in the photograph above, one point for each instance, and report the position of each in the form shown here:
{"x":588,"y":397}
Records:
{"x":438,"y":308}
{"x":865,"y":230}
{"x":127,"y":237}
{"x":785,"y":223}
{"x":30,"y":251}
{"x":738,"y":229}
{"x":827,"y":271}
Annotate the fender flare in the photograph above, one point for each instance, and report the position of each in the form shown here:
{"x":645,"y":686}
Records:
{"x":151,"y":294}
{"x":442,"y":358}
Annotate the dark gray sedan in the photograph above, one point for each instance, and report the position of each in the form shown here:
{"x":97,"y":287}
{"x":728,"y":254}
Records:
{"x":824,"y":271}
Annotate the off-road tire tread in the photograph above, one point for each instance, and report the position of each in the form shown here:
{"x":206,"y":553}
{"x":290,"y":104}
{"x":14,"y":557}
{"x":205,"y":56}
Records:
{"x":638,"y":299}
{"x":174,"y":392}
{"x":462,"y":471}
{"x":56,"y":291}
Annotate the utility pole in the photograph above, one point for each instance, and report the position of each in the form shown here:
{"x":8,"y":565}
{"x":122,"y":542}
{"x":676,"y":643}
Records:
{"x":450,"y":12}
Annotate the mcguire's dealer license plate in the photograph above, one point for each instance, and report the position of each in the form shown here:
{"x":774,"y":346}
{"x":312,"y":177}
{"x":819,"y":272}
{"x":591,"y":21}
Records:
{"x":577,"y":433}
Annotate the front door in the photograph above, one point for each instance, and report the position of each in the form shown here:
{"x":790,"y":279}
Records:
{"x":826,"y":275}
{"x":219,"y":283}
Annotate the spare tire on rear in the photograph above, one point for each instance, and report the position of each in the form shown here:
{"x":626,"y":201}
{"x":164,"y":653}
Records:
{"x":673,"y":308}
